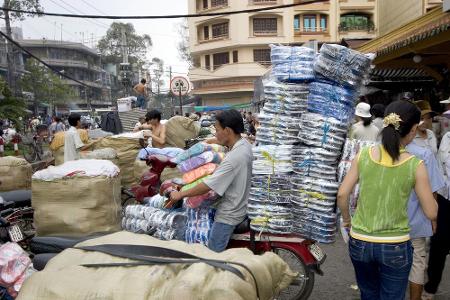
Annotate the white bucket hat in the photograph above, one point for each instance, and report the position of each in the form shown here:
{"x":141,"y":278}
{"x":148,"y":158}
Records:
{"x":446,"y":101}
{"x":363,"y":110}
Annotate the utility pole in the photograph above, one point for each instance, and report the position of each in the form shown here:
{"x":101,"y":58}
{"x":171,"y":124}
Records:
{"x":61,"y":32}
{"x":10,"y":51}
{"x":125,"y":65}
{"x":171,"y":94}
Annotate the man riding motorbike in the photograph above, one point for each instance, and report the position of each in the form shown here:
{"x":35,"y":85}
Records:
{"x":231,"y":180}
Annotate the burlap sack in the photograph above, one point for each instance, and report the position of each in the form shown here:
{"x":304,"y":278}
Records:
{"x":170,"y":173}
{"x":59,"y":156}
{"x":76,"y":206}
{"x":127,"y":150}
{"x":59,"y":138}
{"x":178,"y":129}
{"x":15,"y":174}
{"x":105,"y":153}
{"x":140,"y":166}
{"x":65,"y":278}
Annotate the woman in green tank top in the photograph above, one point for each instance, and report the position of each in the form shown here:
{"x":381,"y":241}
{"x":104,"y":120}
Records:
{"x":379,"y":244}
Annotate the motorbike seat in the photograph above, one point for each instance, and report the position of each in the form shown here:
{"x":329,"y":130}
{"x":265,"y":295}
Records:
{"x":16,"y":199}
{"x":242,"y":227}
{"x":56,"y":244}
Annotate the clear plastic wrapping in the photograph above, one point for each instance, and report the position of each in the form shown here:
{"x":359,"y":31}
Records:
{"x":200,"y":221}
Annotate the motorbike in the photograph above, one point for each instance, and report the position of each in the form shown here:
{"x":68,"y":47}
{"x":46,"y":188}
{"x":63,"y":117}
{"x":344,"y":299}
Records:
{"x":16,"y":218}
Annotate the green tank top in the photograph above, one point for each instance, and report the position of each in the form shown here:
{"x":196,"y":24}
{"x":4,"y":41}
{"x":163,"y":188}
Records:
{"x":381,"y":215}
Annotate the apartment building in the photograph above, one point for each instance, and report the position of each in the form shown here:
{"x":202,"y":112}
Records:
{"x":79,"y":62}
{"x":231,"y":52}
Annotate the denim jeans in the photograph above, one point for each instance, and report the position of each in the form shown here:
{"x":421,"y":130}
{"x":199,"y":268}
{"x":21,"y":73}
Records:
{"x":381,"y":270}
{"x":140,"y":102}
{"x":220,"y":236}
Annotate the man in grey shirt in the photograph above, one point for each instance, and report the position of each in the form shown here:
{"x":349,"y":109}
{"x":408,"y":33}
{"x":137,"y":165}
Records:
{"x":231,"y":180}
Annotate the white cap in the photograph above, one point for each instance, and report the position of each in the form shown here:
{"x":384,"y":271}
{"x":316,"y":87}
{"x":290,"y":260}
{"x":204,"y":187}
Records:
{"x":363,"y":110}
{"x":446,"y":101}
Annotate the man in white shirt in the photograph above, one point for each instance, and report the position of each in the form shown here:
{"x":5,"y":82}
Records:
{"x":426,"y":137}
{"x":72,"y":141}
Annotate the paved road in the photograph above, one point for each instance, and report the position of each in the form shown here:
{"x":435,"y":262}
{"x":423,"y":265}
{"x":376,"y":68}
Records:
{"x":339,"y":279}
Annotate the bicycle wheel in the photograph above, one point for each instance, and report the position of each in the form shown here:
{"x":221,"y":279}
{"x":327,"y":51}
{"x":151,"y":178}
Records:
{"x":302,"y":286}
{"x":29,"y":153}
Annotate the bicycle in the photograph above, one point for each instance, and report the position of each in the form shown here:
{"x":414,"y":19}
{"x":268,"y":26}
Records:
{"x":32,"y":146}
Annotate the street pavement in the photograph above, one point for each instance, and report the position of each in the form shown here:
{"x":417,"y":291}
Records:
{"x":339,"y":280}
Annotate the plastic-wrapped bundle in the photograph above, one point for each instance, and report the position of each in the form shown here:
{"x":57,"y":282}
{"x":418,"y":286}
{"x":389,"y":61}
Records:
{"x":332,"y":101}
{"x":272,"y":159}
{"x":312,"y":231}
{"x":200,"y":221}
{"x":294,"y":71}
{"x":156,"y":201}
{"x":195,"y":150}
{"x":277,"y":129}
{"x":342,"y":65}
{"x":281,"y":54}
{"x":270,"y":189}
{"x":285,"y":98}
{"x":323,"y":132}
{"x":200,"y":160}
{"x":144,"y":219}
{"x":200,"y":172}
{"x":275,"y":219}
{"x":313,"y":162}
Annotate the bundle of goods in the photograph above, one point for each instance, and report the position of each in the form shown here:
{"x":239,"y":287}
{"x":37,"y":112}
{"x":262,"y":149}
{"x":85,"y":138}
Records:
{"x":15,"y":267}
{"x":127,"y":147}
{"x":160,"y":223}
{"x":179,"y":129}
{"x":277,"y":130}
{"x":269,"y":201}
{"x":351,"y":149}
{"x":332,"y":101}
{"x":342,"y":65}
{"x":313,"y":208}
{"x":285,"y":98}
{"x":292,"y":63}
{"x":263,"y":277}
{"x":77,"y":198}
{"x":170,"y":152}
{"x":105,"y":153}
{"x":314,"y":162}
{"x":196,"y":164}
{"x":140,"y":165}
{"x":15,"y":174}
{"x":323,"y":132}
{"x":272,"y":159}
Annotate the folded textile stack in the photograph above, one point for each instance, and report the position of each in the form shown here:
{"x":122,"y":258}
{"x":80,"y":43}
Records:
{"x":293,"y":64}
{"x":342,"y":65}
{"x":196,"y":164}
{"x":285,"y":98}
{"x":351,"y":149}
{"x":269,"y":201}
{"x":161,"y":223}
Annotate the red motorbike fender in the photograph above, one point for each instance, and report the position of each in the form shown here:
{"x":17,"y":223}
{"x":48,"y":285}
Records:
{"x":298,"y":248}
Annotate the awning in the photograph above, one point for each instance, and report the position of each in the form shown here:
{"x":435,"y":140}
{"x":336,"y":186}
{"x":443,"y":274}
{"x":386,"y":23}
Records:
{"x":400,"y":74}
{"x":224,"y":107}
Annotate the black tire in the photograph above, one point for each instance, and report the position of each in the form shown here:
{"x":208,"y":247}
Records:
{"x":301,"y":288}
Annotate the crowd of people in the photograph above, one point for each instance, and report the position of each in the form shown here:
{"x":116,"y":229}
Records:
{"x":403,"y":207}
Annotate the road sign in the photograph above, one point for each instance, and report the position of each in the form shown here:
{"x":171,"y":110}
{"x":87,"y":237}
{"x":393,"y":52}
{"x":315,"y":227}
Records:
{"x":179,"y":85}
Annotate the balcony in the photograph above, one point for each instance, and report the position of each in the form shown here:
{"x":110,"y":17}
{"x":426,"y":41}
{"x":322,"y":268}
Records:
{"x":66,"y":63}
{"x":311,"y":30}
{"x":265,"y":33}
{"x":344,"y":28}
{"x":262,"y":2}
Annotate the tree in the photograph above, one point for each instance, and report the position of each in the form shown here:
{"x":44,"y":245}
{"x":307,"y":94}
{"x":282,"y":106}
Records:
{"x":183,"y":43}
{"x":45,"y":85}
{"x":158,"y":74}
{"x":110,"y":46}
{"x":28,"y":5}
{"x":10,"y":107}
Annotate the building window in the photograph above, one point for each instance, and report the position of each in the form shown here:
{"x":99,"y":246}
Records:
{"x":205,"y":4}
{"x":235,"y":56}
{"x":206,"y":33}
{"x":265,"y":26}
{"x":220,"y":30}
{"x":351,"y":22}
{"x":220,"y":59}
{"x":196,"y":61}
{"x":207,"y":62}
{"x":262,"y":56}
{"x":309,"y":23}
{"x":219,"y":3}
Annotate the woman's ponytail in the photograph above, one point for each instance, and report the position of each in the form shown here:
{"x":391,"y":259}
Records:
{"x":390,"y":139}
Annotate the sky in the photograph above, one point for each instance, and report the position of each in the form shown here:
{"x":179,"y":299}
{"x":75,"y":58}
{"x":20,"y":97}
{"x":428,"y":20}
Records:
{"x":163,"y":32}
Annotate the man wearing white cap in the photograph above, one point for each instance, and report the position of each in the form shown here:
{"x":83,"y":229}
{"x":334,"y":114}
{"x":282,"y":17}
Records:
{"x":364,"y":130}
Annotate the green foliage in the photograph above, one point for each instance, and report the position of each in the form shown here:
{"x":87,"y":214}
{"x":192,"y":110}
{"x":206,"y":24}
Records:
{"x":110,"y":46}
{"x":46,"y":86}
{"x":10,"y":107}
{"x":28,"y":5}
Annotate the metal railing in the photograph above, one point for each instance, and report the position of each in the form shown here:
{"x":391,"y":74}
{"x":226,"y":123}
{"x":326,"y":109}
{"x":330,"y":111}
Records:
{"x":369,"y":27}
{"x":311,"y":30}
